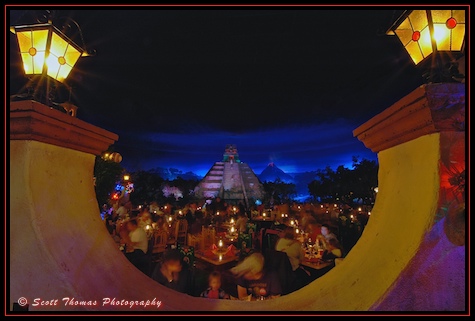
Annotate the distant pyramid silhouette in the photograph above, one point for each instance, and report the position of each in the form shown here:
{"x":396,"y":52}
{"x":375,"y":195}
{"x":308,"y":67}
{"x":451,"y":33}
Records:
{"x":231,"y":180}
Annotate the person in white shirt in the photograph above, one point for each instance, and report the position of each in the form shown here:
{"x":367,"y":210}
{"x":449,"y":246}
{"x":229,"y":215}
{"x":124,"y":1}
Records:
{"x":145,"y":218}
{"x":296,"y":254}
{"x":327,"y":234}
{"x":137,"y":242}
{"x":241,"y":222}
{"x":122,"y":212}
{"x":293,"y":248}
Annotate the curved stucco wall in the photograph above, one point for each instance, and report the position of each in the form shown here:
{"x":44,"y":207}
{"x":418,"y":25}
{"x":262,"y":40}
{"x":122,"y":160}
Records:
{"x":60,"y":248}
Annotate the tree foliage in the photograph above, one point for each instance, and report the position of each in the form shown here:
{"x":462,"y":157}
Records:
{"x":278,"y":192}
{"x":149,"y":186}
{"x":107,"y":174}
{"x":345,"y":184}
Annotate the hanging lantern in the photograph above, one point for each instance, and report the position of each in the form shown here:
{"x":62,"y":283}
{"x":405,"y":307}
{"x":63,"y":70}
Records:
{"x":423,"y":32}
{"x":115,"y":157}
{"x":46,"y":50}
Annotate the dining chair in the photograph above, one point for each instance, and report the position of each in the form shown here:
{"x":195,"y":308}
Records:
{"x":208,"y":237}
{"x":181,"y":232}
{"x":160,"y":240}
{"x":279,"y":262}
{"x":270,"y":239}
{"x":194,"y":240}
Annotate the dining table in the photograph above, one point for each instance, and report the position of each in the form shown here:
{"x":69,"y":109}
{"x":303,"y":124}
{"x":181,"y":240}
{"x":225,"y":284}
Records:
{"x":218,"y":255}
{"x":262,"y":222}
{"x":216,"y":259}
{"x":315,"y":265}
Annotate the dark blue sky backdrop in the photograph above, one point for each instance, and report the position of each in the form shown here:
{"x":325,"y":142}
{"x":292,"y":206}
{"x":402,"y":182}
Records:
{"x":292,"y":148}
{"x":286,"y":85}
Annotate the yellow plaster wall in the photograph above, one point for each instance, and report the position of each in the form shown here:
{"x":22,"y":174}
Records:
{"x":60,"y":247}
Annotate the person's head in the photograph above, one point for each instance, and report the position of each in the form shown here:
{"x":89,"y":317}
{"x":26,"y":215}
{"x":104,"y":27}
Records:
{"x":132,"y":225}
{"x":288,"y":233}
{"x":325,"y":229}
{"x":214,"y":280}
{"x":172,"y":260}
{"x":250,"y":268}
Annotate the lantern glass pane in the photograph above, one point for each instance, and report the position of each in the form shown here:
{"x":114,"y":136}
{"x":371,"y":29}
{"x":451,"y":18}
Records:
{"x":414,"y":51}
{"x":458,"y":36}
{"x":58,"y":45}
{"x":53,"y":65}
{"x":442,"y":36}
{"x":405,"y":35}
{"x":40,"y":38}
{"x":72,"y":55}
{"x":418,"y":19}
{"x":459,"y":15}
{"x":440,"y":16}
{"x":38,"y":62}
{"x":63,"y":72}
{"x":405,"y":25}
{"x":24,"y":41}
{"x":27,"y":63}
{"x":425,"y":42}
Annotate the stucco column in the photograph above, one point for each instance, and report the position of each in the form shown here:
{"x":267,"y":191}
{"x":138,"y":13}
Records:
{"x":424,"y":129}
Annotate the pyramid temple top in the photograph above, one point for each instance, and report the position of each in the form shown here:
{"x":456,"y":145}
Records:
{"x":231,"y":154}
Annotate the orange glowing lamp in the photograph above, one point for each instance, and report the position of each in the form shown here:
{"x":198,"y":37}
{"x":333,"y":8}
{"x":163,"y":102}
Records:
{"x":423,"y":32}
{"x":46,"y":51}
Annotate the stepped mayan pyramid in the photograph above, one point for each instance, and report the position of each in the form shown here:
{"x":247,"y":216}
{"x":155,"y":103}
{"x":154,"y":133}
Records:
{"x":231,"y":180}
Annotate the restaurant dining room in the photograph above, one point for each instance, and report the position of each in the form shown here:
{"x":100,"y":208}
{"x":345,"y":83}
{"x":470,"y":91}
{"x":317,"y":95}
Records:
{"x":211,"y":240}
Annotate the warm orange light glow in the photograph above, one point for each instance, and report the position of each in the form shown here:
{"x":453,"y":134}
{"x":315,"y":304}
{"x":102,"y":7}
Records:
{"x":449,"y":29}
{"x":414,"y":34}
{"x":126,"y":177}
{"x":417,"y":38}
{"x":43,"y":48}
